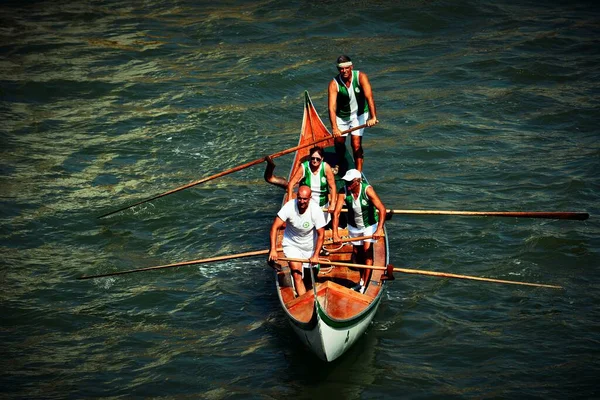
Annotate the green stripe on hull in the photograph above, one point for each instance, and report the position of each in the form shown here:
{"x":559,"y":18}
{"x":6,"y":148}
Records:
{"x":347,"y":323}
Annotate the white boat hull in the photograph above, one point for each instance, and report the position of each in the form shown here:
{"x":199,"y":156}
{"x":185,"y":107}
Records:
{"x":329,"y":338}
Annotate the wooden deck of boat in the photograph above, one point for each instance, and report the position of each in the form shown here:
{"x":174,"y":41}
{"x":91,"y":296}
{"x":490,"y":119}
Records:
{"x":333,"y":284}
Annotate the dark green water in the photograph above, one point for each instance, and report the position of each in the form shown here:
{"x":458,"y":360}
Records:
{"x":484,"y":106}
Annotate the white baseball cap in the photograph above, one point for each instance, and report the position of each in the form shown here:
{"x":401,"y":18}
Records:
{"x":351,"y":175}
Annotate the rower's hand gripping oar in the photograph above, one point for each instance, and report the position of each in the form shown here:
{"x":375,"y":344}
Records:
{"x":273,"y":263}
{"x":229,"y":171}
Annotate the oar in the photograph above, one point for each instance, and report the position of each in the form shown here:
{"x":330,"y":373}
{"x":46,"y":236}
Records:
{"x":205,"y":260}
{"x":515,"y":214}
{"x":229,"y":171}
{"x":580,"y":216}
{"x":181,"y":264}
{"x":422,"y":272}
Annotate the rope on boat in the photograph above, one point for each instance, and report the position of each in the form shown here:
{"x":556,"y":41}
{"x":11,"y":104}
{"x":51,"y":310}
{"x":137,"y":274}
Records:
{"x":322,"y":270}
{"x":333,"y":250}
{"x":338,"y":249}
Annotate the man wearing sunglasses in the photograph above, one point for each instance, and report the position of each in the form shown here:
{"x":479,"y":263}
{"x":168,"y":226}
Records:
{"x":351,"y":104}
{"x":366,"y":215}
{"x":303,"y":235}
{"x":316,"y":174}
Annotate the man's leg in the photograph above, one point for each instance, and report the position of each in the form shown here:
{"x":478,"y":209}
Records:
{"x":368,"y":260}
{"x":357,"y":151}
{"x":296,"y":268}
{"x":340,"y":151}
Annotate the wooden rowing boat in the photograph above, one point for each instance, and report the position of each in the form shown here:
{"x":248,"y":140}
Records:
{"x":330,"y":317}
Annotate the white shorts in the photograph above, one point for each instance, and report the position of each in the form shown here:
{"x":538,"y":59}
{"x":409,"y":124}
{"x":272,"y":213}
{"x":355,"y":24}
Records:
{"x":355,"y":120}
{"x":326,"y":215}
{"x":295,"y":252}
{"x":368,"y":231}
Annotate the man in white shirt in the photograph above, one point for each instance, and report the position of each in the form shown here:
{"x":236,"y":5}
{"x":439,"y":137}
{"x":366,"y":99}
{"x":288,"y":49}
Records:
{"x":303,"y":235}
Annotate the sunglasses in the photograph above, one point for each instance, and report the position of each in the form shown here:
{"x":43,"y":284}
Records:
{"x":315,"y":158}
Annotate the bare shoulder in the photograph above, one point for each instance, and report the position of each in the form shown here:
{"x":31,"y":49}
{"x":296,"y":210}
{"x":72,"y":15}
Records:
{"x":370,"y":191}
{"x":363,"y":77}
{"x":332,"y":85}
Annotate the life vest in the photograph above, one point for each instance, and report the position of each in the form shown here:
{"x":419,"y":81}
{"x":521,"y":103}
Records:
{"x":317,"y":183}
{"x":350,"y":100}
{"x":366,"y":215}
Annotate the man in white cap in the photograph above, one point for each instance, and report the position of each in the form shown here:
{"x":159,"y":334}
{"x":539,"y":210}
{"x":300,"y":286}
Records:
{"x":366,"y":216}
{"x":303,"y":235}
{"x":351,"y":104}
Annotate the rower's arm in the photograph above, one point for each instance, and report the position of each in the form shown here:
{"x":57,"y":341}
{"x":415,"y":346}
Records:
{"x":368,"y":92}
{"x":372,"y":195}
{"x":335,"y":221}
{"x":277,"y":224}
{"x":318,"y":245}
{"x":332,"y":102}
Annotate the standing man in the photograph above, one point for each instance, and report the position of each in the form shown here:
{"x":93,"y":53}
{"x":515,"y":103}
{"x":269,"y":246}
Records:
{"x":366,"y":216}
{"x":351,"y":104}
{"x":303,"y":235}
{"x":316,"y":174}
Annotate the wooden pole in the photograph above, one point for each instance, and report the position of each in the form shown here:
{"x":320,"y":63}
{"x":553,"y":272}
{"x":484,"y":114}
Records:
{"x":180,"y":264}
{"x":423,"y":272}
{"x":229,"y":171}
{"x":515,"y":214}
{"x":580,"y":216}
{"x":204,"y":260}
